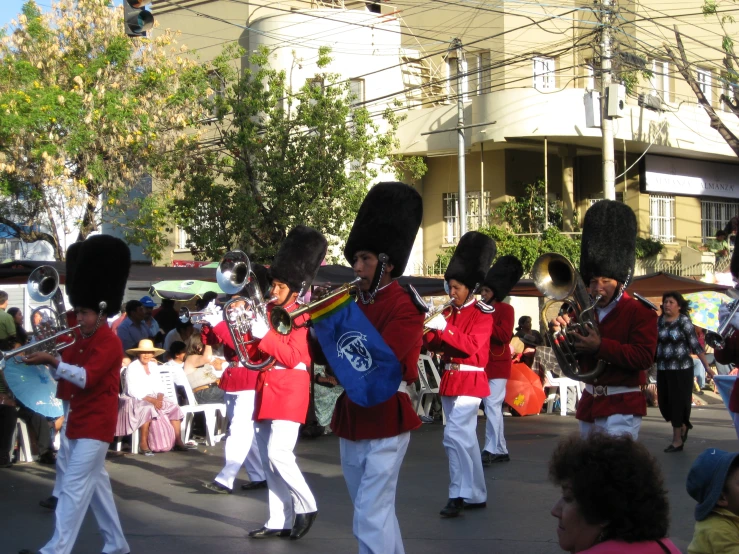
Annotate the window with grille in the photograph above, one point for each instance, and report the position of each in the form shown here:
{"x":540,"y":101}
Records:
{"x":715,"y":216}
{"x":619,"y":198}
{"x":661,"y":79}
{"x":703,"y":78}
{"x":544,"y":73}
{"x":478,"y":213}
{"x":729,"y":89}
{"x":476,"y":77}
{"x":356,"y":91}
{"x":182,"y":239}
{"x":662,"y":217}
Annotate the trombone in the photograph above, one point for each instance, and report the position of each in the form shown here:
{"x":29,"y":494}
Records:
{"x":283,"y":321}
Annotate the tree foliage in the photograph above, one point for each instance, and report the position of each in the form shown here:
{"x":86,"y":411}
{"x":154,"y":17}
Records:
{"x":282,"y":156}
{"x":85,"y":114}
{"x":525,"y":214}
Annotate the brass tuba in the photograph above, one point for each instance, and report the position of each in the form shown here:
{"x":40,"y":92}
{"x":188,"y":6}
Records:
{"x":233,"y":274}
{"x":557,"y":279}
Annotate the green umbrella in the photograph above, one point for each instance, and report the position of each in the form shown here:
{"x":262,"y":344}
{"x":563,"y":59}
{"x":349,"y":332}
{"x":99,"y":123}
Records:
{"x":183,"y":290}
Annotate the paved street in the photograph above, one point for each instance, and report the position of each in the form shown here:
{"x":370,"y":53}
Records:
{"x":165,"y":510}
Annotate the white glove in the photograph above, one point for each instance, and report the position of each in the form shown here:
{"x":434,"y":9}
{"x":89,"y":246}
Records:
{"x":259,"y":328}
{"x":214,"y":318}
{"x":438,"y":323}
{"x":723,"y":314}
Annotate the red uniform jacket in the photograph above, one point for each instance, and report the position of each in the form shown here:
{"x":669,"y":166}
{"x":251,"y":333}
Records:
{"x":284,"y":394}
{"x":729,"y":354}
{"x":499,"y":362}
{"x":400,"y":323}
{"x":234,"y":379}
{"x":465,"y":340}
{"x":628,"y":343}
{"x":93,"y":411}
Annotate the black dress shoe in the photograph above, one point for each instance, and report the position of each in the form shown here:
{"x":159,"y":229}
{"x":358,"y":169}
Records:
{"x":216,"y":487}
{"x":254,"y":485}
{"x":487,"y":457}
{"x":264,"y":533}
{"x":672,"y":448}
{"x":453,"y":508}
{"x":500,"y":458}
{"x":475,"y":505}
{"x":49,"y":503}
{"x":302,"y":525}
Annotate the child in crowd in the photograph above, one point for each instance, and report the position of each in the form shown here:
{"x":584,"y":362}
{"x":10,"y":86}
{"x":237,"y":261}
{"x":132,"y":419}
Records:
{"x":713,"y":481}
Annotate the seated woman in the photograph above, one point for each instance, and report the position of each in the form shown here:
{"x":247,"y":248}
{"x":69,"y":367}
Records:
{"x":203,"y":371}
{"x":158,"y":419}
{"x":613,"y":497}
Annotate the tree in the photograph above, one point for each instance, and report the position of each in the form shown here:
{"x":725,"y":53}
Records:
{"x":86,"y":115}
{"x":280,"y":156}
{"x":525,"y":214}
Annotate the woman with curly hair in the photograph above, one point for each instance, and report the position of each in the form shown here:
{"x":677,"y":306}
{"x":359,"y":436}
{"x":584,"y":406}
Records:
{"x":676,"y":340}
{"x":613,"y":497}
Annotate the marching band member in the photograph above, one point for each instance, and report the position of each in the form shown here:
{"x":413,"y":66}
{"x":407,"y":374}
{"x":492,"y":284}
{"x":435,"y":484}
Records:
{"x":239,"y":384}
{"x":89,"y":381}
{"x":498,"y":283}
{"x":729,"y":354}
{"x":463,"y":339}
{"x":626,"y":338}
{"x":283,"y":389}
{"x":374,"y":439}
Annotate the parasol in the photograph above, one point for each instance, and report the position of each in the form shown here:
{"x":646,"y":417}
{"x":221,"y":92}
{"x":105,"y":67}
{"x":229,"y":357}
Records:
{"x":704,"y":308}
{"x":524,"y":392}
{"x":34,"y":386}
{"x":183,"y":290}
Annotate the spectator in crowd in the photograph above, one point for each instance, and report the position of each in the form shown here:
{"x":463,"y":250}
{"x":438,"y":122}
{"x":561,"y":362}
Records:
{"x":8,"y":420}
{"x":20,"y":333}
{"x":202,"y":303}
{"x":699,"y":370}
{"x":115,"y":320}
{"x":713,"y":481}
{"x":183,"y":332}
{"x":613,"y":497}
{"x":720,"y":245}
{"x":7,"y":324}
{"x":133,"y":329}
{"x":203,"y":372}
{"x":166,"y":316}
{"x":154,"y":332}
{"x":176,"y":365}
{"x":525,"y":340}
{"x":676,"y":340}
{"x":162,"y":433}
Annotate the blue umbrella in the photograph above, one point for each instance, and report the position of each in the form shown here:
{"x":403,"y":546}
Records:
{"x":34,"y":386}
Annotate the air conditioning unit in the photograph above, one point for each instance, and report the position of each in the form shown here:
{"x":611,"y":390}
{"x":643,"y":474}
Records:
{"x":616,"y":101}
{"x":650,"y":102}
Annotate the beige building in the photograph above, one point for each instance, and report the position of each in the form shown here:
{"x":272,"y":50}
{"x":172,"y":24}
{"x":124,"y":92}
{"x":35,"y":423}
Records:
{"x":530,"y":85}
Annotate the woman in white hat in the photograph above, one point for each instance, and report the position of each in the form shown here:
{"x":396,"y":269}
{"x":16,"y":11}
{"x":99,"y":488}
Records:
{"x":143,"y":384}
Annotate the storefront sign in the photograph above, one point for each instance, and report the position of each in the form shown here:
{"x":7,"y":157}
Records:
{"x":690,"y":177}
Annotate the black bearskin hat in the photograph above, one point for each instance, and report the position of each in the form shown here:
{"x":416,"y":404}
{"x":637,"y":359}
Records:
{"x":264,"y":279}
{"x":503,"y":276}
{"x":98,"y":268}
{"x":735,"y":264}
{"x":387,"y":223}
{"x":299,"y":258}
{"x":471,"y":259}
{"x":608,"y":242}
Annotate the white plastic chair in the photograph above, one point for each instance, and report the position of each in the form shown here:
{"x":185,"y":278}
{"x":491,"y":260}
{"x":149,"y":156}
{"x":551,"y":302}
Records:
{"x":560,"y":383}
{"x":210,"y":411}
{"x":24,"y":443}
{"x":426,"y":389}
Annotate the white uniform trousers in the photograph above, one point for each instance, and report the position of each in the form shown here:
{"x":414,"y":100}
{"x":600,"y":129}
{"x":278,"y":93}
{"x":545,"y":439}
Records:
{"x":241,"y":448}
{"x":466,"y":479}
{"x":289,"y":494}
{"x":616,"y":424}
{"x":494,"y":437}
{"x":371,"y":469}
{"x":62,"y":454}
{"x":86,"y":483}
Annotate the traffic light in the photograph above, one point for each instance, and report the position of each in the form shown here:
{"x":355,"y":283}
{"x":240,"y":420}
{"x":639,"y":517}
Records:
{"x":136,"y":19}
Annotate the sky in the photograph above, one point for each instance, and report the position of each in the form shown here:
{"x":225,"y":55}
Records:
{"x":9,"y":9}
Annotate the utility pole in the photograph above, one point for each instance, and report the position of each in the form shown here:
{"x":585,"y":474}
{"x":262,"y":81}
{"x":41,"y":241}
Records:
{"x":461,"y":92}
{"x":606,"y":55}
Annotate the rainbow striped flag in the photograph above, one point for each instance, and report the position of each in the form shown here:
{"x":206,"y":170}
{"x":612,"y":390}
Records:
{"x":361,"y":360}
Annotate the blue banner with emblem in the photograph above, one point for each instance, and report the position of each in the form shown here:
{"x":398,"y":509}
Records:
{"x":362,"y":362}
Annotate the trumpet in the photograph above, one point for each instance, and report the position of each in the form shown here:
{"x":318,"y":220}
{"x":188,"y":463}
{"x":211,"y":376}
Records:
{"x":197,"y":317}
{"x":556,"y":278}
{"x":717,"y":339}
{"x":440,"y":310}
{"x":283,"y":321}
{"x":43,"y":285}
{"x":233,"y":274}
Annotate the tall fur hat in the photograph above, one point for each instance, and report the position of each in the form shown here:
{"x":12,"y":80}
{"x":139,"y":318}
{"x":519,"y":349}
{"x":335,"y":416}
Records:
{"x":264,"y":279}
{"x":387,"y":223}
{"x":98,"y":268}
{"x":608,"y":242}
{"x":471,"y":259}
{"x":503,"y":276}
{"x":299,"y":257}
{"x":734,"y":267}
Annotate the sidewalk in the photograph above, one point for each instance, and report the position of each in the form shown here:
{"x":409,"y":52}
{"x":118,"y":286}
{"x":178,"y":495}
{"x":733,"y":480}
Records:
{"x":165,"y":510}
